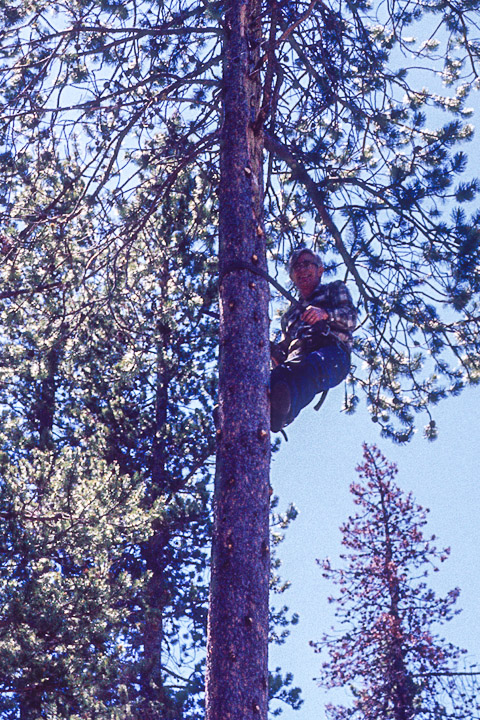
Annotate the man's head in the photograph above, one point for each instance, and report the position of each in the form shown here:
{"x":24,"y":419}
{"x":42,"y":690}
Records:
{"x":306,"y":269}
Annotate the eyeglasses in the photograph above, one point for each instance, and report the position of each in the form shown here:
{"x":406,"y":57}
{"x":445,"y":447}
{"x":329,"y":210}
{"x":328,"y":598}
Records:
{"x":303,"y":265}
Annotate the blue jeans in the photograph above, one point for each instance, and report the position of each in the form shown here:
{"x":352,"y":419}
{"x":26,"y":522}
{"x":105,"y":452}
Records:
{"x":319,"y":370}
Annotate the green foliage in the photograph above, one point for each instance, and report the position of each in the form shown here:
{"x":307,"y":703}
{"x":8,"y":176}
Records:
{"x":281,"y":691}
{"x":109,"y":126}
{"x":107,"y":386}
{"x":106,"y":407}
{"x":66,"y":604}
{"x":110,"y":103}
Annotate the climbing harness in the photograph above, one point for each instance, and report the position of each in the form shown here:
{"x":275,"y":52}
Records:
{"x":319,"y":404}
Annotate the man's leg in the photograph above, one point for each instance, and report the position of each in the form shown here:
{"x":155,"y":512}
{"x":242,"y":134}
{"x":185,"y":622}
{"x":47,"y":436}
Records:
{"x":280,"y":399}
{"x":294,"y":385}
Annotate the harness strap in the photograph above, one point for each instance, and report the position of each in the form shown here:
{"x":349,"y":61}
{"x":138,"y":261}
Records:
{"x":321,"y":401}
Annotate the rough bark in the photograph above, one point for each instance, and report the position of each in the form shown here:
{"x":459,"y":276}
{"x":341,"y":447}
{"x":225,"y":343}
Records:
{"x":155,"y":550}
{"x":44,"y":408}
{"x":237,"y":674}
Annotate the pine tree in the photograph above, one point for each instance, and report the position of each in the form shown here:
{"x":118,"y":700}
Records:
{"x":280,"y":686}
{"x":386,"y":649}
{"x":237,"y":664}
{"x":357,"y":162}
{"x":66,"y":600}
{"x":122,"y":420}
{"x":124,"y":403}
{"x":349,"y":107}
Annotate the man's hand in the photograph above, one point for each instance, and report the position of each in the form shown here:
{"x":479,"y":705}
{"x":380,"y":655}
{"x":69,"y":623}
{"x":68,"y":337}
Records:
{"x":276,"y":353}
{"x":314,"y":314}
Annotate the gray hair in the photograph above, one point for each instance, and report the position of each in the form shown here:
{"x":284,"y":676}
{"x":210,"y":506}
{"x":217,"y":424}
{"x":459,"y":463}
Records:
{"x":296,"y":255}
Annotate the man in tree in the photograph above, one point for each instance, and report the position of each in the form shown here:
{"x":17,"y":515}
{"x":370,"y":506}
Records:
{"x":314,"y":352}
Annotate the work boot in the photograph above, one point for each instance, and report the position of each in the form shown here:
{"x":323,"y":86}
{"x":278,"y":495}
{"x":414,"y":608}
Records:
{"x":280,"y":403}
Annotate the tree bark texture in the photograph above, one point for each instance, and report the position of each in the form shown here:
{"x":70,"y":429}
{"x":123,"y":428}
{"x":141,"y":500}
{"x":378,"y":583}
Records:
{"x":237,"y":671}
{"x":44,"y":409}
{"x":155,"y":550}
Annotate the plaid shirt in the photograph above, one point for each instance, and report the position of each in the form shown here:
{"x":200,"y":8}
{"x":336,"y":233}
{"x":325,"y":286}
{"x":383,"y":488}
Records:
{"x":299,"y":338}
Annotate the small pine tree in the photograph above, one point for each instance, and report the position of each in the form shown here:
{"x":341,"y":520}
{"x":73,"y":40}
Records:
{"x":387,"y":651}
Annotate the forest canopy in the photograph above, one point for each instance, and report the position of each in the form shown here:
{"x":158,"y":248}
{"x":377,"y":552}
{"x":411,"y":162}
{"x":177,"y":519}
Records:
{"x":365,"y":115}
{"x":126,"y":198}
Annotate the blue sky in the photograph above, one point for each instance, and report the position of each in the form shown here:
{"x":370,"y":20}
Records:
{"x":314,"y":470}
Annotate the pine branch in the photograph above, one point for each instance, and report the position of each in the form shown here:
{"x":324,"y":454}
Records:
{"x":318,"y":198}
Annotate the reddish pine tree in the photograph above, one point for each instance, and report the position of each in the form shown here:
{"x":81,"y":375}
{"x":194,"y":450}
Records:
{"x":387,"y":652}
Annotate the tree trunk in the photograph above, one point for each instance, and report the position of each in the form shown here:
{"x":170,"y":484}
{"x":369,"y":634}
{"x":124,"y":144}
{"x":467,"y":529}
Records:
{"x":45,"y":406}
{"x":155,"y":550}
{"x":237,"y":672}
{"x":402,"y":687}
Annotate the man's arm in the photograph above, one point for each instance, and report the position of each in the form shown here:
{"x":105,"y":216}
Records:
{"x":279,"y":351}
{"x":342,"y":315}
{"x":339,"y":316}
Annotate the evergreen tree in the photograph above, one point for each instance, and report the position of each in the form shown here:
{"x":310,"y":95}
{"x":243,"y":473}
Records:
{"x":356,"y":162}
{"x":67,"y":603}
{"x":237,"y":663}
{"x":104,"y":384}
{"x":106,"y":411}
{"x":386,"y":649}
{"x":280,"y":686}
{"x":362,"y":111}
